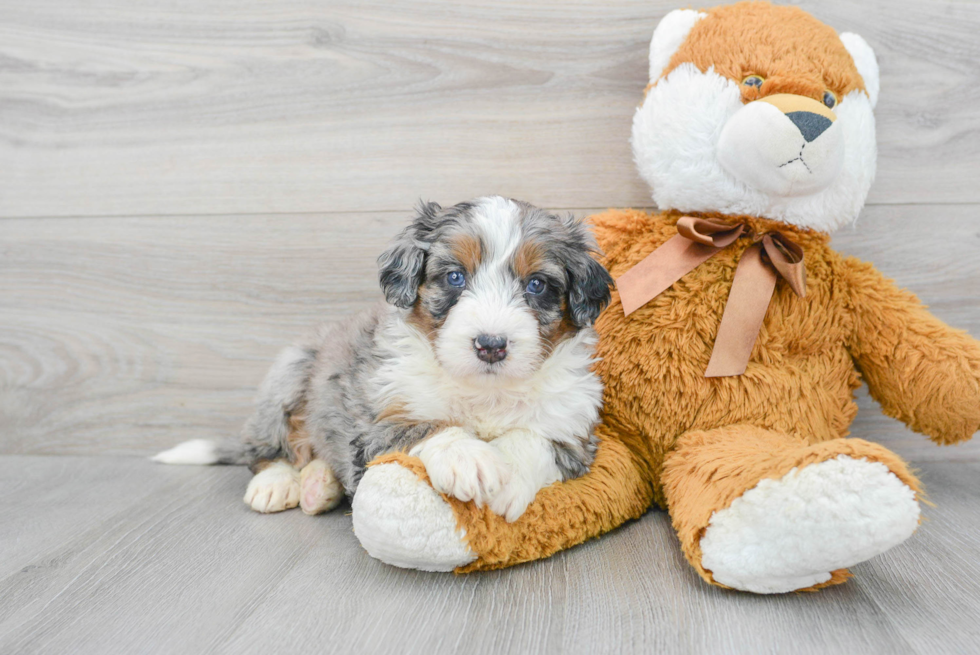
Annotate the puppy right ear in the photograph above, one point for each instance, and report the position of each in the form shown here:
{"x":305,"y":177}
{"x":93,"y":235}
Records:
{"x":400,"y":267}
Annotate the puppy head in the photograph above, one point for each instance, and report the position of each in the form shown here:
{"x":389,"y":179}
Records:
{"x":495,"y":284}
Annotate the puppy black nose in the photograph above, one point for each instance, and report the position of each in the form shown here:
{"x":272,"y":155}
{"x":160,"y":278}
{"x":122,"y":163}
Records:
{"x":490,"y":348}
{"x":810,"y":125}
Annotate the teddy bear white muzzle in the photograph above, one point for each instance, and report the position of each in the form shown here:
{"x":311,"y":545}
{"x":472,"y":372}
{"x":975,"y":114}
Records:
{"x":784,"y":145}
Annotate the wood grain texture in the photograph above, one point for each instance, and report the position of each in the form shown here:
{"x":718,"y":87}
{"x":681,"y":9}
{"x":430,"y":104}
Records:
{"x":127,"y":335}
{"x":221,"y":107}
{"x":176,"y":563}
{"x":185,"y":187}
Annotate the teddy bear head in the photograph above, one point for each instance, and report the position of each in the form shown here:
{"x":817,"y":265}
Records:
{"x":754,"y":109}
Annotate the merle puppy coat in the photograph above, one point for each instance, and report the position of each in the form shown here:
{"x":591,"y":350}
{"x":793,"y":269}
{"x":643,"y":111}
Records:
{"x":479,"y":363}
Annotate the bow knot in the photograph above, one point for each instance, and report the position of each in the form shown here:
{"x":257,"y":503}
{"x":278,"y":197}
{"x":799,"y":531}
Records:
{"x":771,"y":254}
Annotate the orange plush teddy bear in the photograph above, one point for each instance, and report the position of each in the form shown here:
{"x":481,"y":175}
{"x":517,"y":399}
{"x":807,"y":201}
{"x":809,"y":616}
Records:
{"x":737,"y":337}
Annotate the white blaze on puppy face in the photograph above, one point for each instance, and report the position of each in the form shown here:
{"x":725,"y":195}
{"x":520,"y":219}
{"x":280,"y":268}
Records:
{"x":492,"y":288}
{"x":492,"y":302}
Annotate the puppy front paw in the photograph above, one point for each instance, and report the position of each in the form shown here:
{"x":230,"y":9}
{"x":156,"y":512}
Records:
{"x":462,"y":466}
{"x":513,"y":499}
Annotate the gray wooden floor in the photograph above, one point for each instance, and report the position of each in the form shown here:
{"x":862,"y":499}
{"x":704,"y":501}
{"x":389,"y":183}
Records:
{"x":118,"y":555}
{"x":187,"y":186}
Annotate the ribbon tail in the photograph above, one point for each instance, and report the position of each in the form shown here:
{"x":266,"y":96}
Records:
{"x":659,"y":270}
{"x":787,"y":257}
{"x":745,"y":311}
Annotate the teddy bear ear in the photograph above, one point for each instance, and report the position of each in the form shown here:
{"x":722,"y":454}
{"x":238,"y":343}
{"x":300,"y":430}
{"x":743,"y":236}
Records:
{"x":864,"y":59}
{"x":668,"y":37}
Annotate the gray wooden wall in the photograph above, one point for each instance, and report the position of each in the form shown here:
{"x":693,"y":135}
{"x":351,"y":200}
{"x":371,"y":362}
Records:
{"x":186,"y":185}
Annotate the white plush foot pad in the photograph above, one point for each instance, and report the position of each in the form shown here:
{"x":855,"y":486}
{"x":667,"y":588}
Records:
{"x":273,"y":489}
{"x":402,"y":521}
{"x":791,"y":533}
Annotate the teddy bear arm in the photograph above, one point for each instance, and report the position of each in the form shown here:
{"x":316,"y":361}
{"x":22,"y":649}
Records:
{"x":616,"y":489}
{"x":921,"y":371}
{"x":400,"y":519}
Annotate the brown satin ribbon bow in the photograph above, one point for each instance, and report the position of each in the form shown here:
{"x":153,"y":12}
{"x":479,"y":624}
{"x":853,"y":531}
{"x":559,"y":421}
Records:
{"x":697,"y":240}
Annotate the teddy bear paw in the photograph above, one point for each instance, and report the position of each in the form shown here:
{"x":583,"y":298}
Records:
{"x":402,"y":521}
{"x":792,"y":533}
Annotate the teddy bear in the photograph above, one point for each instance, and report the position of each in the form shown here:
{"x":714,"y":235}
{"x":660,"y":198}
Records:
{"x":736,"y":338}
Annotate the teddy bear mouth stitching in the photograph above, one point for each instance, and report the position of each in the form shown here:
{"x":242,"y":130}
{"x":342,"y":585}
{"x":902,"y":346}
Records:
{"x":800,"y":159}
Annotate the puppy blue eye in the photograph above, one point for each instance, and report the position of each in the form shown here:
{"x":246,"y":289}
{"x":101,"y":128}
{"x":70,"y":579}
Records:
{"x":456,"y":279}
{"x":535,"y":286}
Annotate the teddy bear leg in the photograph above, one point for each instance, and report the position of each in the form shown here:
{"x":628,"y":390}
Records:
{"x":766,"y":512}
{"x":400,"y":519}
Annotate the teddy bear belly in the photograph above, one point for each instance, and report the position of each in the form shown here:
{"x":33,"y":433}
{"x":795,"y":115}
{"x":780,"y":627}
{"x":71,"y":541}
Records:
{"x":810,"y":396}
{"x":799,"y":383}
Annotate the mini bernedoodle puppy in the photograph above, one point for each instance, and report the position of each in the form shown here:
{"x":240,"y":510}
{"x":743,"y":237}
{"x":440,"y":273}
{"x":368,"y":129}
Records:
{"x":479,"y":364}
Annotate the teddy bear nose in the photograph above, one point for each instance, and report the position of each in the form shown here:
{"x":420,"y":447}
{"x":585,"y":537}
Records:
{"x":810,"y":125}
{"x":810,"y":117}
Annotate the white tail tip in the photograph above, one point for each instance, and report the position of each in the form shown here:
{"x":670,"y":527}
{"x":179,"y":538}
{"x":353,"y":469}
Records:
{"x":195,"y":451}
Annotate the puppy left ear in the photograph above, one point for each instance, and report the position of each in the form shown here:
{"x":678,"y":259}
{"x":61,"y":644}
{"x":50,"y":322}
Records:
{"x":588,"y":280}
{"x":400,"y":267}
{"x":866,"y":62}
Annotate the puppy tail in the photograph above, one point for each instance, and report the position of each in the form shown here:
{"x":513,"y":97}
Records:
{"x":204,"y":452}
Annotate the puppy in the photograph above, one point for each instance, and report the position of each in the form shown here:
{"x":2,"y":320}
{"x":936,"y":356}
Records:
{"x":479,"y":364}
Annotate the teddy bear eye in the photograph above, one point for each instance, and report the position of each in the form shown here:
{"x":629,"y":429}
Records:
{"x":753,"y":80}
{"x":829,"y":99}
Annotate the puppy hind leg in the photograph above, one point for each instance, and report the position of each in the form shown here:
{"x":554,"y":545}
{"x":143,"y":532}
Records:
{"x":275,"y":428}
{"x":320,"y":490}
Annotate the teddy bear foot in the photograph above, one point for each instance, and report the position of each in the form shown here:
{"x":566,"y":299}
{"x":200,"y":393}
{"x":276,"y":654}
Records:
{"x":793,"y":533}
{"x":401,"y":520}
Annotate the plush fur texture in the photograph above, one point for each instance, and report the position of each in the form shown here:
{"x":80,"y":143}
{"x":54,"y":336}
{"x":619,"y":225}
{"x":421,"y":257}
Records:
{"x":770,"y":539}
{"x":700,"y":105}
{"x":400,"y":519}
{"x":727,"y":455}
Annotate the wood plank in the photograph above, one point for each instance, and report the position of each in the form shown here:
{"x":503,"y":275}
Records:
{"x":41,"y":507}
{"x":636,"y":593}
{"x":147,"y":331}
{"x":375,"y":608}
{"x":179,"y":107}
{"x":126,"y":335}
{"x":929,"y":587}
{"x":188,"y":568}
